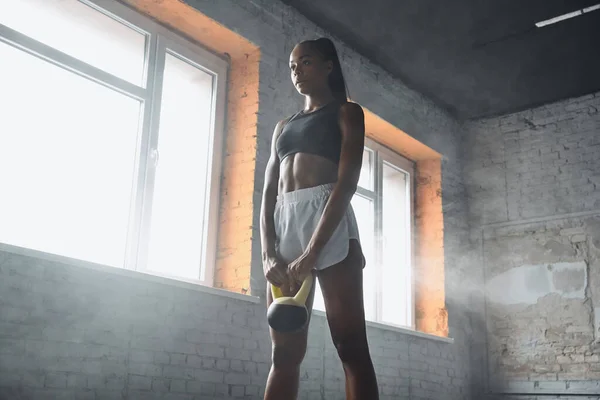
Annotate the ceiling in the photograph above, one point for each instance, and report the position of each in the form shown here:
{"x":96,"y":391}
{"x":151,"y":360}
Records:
{"x":474,"y":58}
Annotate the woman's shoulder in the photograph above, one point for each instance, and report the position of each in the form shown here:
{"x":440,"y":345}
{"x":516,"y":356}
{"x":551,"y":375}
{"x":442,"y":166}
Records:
{"x":352,"y":111}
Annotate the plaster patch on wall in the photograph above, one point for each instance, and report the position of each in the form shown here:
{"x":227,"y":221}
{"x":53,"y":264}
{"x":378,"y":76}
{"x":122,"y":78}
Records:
{"x":528,"y":283}
{"x":570,"y":279}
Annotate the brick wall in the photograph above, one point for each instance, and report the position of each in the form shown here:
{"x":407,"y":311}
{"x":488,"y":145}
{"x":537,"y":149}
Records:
{"x":537,"y":163}
{"x":534,"y":198}
{"x":237,"y":186}
{"x":89,"y":332}
{"x":70,"y":332}
{"x":430,"y":301}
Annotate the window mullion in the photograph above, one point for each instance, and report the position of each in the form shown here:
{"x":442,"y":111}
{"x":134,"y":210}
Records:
{"x":412,"y":204}
{"x":72,"y":64}
{"x":378,"y":234}
{"x":141,"y":159}
{"x":369,"y":194}
{"x":149,"y":153}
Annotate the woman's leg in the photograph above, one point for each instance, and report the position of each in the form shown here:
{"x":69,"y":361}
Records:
{"x":287,"y":354}
{"x":342,"y":287}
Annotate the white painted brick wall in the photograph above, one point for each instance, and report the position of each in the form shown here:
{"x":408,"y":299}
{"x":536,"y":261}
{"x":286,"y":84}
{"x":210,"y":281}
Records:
{"x":534,"y":199}
{"x":123,"y":337}
{"x":537,"y":163}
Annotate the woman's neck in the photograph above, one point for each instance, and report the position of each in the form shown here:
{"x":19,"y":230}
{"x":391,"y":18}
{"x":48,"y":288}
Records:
{"x":314,"y":102}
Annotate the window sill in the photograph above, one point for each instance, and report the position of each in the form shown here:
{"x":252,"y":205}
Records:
{"x":143,"y":275}
{"x":399,"y":329}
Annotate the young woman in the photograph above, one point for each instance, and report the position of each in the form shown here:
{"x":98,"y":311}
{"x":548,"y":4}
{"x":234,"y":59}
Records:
{"x":308,"y":224}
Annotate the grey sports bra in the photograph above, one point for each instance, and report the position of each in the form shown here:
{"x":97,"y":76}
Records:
{"x":317,"y":132}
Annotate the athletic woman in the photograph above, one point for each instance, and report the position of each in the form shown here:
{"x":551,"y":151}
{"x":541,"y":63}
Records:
{"x":308,"y":224}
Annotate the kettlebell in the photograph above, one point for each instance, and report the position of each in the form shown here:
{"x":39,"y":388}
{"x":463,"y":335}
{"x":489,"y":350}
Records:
{"x":289,"y":314}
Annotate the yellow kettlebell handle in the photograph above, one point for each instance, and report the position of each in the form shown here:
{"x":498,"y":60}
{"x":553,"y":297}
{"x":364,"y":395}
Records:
{"x":302,"y":294}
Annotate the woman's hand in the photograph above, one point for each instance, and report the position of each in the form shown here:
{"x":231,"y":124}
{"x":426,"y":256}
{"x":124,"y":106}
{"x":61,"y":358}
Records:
{"x":276,"y":271}
{"x":300,"y":268}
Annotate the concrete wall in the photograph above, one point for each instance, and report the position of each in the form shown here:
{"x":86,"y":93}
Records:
{"x":71,"y":332}
{"x":533,"y":180}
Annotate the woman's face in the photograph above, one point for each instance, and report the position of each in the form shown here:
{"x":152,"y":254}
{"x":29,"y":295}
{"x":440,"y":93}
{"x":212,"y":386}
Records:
{"x":308,"y":71}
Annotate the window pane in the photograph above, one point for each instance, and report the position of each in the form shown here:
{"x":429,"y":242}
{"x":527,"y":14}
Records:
{"x":366,"y":172}
{"x":80,"y":31}
{"x":396,"y":277}
{"x":319,"y":302}
{"x":67,"y":150}
{"x":179,"y":202}
{"x":365,"y":215}
{"x":364,"y":211}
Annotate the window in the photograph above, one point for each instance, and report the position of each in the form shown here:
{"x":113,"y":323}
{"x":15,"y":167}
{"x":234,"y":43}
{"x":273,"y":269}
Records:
{"x":110,"y":138}
{"x":383,"y":208}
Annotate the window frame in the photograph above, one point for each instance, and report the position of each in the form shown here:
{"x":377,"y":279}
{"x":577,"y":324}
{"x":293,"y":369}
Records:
{"x":159,"y":41}
{"x":379,"y":155}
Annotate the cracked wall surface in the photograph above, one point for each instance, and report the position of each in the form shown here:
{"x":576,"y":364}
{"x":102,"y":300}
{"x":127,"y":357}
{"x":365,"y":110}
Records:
{"x":541,"y":311}
{"x":534,"y":207}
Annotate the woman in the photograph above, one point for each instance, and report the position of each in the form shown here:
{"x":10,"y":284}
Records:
{"x":307,"y":222}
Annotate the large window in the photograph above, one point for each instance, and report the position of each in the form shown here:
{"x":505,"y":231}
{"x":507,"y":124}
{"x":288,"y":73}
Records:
{"x":110,"y":137}
{"x":383,"y":208}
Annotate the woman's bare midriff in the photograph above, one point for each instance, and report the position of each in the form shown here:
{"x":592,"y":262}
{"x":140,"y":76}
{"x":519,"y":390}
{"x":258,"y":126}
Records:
{"x":301,"y":171}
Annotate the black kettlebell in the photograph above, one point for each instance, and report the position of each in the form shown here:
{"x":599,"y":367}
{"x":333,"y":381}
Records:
{"x":289,"y":314}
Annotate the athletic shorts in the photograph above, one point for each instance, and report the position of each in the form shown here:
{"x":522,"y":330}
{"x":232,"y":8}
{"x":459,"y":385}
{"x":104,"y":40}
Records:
{"x":297,"y":215}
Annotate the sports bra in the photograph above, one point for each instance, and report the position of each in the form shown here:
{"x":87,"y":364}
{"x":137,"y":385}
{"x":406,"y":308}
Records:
{"x":317,"y":132}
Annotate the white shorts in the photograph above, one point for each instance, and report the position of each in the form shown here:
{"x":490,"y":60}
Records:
{"x":297,"y":215}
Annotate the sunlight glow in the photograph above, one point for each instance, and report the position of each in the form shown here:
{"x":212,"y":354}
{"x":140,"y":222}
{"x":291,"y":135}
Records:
{"x":178,"y":209}
{"x":80,"y":31}
{"x":67,"y":149}
{"x":69,"y":145}
{"x":396,"y":284}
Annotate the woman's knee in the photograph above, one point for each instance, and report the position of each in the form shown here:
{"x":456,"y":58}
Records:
{"x":351,"y":348}
{"x":289,"y":355}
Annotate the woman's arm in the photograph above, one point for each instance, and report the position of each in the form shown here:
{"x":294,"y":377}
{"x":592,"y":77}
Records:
{"x":274,"y":270}
{"x":352,"y":125}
